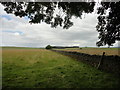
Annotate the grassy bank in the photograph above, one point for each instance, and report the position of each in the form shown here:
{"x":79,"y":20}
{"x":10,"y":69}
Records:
{"x":95,"y":51}
{"x":46,"y":69}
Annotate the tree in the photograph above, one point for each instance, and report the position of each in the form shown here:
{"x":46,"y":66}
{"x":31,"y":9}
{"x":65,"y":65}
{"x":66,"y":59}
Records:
{"x":108,"y":25}
{"x":39,"y":12}
{"x":48,"y":47}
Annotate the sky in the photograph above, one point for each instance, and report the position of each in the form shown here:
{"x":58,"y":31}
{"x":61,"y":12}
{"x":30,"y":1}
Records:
{"x":19,"y":32}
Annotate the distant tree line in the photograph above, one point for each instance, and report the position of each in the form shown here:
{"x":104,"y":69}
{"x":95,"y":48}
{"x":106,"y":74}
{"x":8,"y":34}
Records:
{"x":60,"y":47}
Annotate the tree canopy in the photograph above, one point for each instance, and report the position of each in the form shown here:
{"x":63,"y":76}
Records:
{"x":108,"y":25}
{"x":39,"y":12}
{"x":48,"y":47}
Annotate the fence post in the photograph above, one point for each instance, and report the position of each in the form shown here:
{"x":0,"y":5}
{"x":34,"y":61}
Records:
{"x":101,"y":61}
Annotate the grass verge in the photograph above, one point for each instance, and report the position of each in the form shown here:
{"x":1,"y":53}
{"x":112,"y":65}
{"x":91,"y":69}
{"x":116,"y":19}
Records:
{"x":39,"y":68}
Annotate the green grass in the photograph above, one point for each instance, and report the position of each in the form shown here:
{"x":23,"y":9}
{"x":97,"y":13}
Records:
{"x":47,"y":69}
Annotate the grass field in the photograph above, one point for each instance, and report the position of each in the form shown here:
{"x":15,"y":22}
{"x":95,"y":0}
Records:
{"x":95,"y":51}
{"x":47,"y":69}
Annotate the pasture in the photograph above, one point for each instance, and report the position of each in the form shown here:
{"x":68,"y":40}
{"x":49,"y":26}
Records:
{"x":94,"y":51}
{"x":40,"y":68}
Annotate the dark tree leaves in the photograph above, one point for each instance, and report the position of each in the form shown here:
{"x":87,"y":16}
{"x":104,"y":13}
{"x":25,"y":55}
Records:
{"x":39,"y":12}
{"x":108,"y":25}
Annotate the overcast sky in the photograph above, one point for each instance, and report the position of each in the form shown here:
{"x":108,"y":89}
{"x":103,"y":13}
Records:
{"x":17,"y":31}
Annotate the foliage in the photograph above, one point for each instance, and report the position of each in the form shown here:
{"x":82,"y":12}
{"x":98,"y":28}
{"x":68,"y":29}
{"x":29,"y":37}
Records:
{"x":108,"y":25}
{"x":39,"y":12}
{"x":48,"y":47}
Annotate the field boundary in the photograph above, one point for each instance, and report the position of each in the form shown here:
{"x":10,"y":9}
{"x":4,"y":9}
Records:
{"x":110,"y":64}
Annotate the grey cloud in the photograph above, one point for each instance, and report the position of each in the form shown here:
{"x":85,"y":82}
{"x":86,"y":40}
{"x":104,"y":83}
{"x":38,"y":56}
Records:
{"x":82,"y":33}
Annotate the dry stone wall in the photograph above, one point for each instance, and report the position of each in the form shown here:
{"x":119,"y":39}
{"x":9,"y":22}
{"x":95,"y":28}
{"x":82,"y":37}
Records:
{"x":110,"y":63}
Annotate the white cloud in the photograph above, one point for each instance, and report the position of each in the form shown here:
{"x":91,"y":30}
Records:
{"x":2,"y":12}
{"x":18,"y":32}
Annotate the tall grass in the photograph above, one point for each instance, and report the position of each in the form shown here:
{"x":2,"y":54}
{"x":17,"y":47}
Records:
{"x":46,"y":69}
{"x":95,"y":51}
